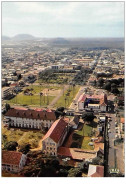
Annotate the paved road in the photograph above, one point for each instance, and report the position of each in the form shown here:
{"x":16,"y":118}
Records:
{"x":75,"y":100}
{"x":120,"y":154}
{"x":111,"y":157}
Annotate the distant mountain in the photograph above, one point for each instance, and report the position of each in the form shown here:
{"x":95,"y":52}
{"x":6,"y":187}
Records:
{"x":22,"y":37}
{"x":60,"y":41}
{"x":5,"y":38}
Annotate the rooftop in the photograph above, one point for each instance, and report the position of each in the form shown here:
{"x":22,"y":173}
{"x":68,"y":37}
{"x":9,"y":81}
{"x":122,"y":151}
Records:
{"x":56,"y":130}
{"x":95,"y":171}
{"x":32,"y":114}
{"x":11,"y":157}
{"x":76,"y":153}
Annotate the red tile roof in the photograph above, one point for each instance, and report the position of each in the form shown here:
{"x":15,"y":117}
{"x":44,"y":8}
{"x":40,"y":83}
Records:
{"x":102,"y":98}
{"x":31,"y":114}
{"x":96,"y":171}
{"x":19,"y":108}
{"x":76,"y":153}
{"x":98,"y":146}
{"x":122,"y":120}
{"x":11,"y":157}
{"x":63,"y":151}
{"x":56,"y":130}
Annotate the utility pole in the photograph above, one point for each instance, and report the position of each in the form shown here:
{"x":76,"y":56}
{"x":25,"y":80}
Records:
{"x":31,"y":98}
{"x":47,"y":99}
{"x":63,"y":90}
{"x":73,"y":89}
{"x":44,"y":98}
{"x":16,"y":98}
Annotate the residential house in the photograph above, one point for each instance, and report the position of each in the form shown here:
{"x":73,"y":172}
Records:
{"x":13,"y":161}
{"x":122,"y":124}
{"x":95,"y":171}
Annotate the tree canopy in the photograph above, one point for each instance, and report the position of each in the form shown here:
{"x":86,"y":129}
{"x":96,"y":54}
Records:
{"x":88,"y":116}
{"x":11,"y":146}
{"x":25,"y":148}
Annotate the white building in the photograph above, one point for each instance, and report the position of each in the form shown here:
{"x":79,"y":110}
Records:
{"x":94,"y":102}
{"x":31,"y":119}
{"x":6,"y":92}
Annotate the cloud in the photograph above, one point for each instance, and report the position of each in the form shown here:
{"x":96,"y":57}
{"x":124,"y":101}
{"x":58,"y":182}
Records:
{"x":64,"y":15}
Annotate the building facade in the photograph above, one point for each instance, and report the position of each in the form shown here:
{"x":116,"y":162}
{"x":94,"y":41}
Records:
{"x":94,"y":102}
{"x":31,"y":119}
{"x":55,"y":137}
{"x":13,"y":161}
{"x":6,"y":92}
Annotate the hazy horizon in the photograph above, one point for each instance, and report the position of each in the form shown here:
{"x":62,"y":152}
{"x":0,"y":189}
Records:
{"x":63,"y":19}
{"x":65,"y":37}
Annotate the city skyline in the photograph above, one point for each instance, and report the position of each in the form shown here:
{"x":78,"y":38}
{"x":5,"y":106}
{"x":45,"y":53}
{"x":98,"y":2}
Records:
{"x":63,"y":19}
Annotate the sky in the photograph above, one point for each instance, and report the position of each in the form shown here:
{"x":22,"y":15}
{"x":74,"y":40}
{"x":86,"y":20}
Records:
{"x":63,"y":19}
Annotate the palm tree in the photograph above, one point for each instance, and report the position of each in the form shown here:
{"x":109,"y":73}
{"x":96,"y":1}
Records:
{"x":65,"y":101}
{"x":40,"y":98}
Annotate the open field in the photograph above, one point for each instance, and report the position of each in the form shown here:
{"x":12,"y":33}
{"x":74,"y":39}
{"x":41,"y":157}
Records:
{"x":39,"y":88}
{"x":22,"y":99}
{"x":66,"y":99}
{"x":22,"y":136}
{"x":48,"y":94}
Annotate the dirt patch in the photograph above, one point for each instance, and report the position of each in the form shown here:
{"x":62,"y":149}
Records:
{"x":51,"y":92}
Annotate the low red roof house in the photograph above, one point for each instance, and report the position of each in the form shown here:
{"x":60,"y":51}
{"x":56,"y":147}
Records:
{"x":96,"y":171}
{"x":13,"y":161}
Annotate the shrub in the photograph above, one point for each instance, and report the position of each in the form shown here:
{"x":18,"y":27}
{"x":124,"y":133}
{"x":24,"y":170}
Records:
{"x":74,"y":145}
{"x":11,"y":146}
{"x":75,"y":172}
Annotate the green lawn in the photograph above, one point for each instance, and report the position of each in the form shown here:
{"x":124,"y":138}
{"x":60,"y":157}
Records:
{"x":86,"y":130}
{"x":39,"y":88}
{"x":69,"y":98}
{"x":86,"y":133}
{"x":22,"y":99}
{"x":85,"y":142}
